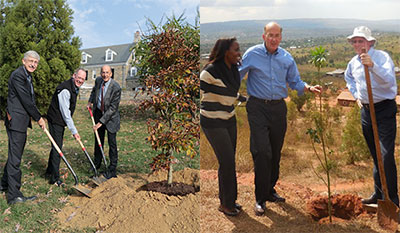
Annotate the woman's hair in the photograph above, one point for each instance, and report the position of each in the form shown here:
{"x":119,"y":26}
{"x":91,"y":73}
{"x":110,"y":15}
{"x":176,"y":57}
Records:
{"x":219,"y":50}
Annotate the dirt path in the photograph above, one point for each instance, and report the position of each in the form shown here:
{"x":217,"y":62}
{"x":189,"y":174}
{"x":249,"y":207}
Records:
{"x":283,"y":217}
{"x":118,"y":205}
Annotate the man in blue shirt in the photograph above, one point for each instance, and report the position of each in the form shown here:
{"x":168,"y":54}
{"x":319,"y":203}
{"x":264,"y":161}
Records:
{"x":384,"y":91}
{"x":59,"y":115}
{"x":270,"y":68}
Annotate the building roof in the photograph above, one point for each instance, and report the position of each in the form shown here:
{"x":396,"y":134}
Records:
{"x":97,"y":55}
{"x":336,"y":72}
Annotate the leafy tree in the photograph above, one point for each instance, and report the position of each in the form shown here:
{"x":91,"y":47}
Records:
{"x":43,"y":26}
{"x":169,"y":67}
{"x":318,"y":58}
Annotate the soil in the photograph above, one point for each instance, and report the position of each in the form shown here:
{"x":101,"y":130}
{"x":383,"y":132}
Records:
{"x":121,"y":205}
{"x":305,"y":201}
{"x":175,"y":188}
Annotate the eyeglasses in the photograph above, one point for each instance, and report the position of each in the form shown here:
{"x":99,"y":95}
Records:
{"x":358,"y":41}
{"x":31,"y":61}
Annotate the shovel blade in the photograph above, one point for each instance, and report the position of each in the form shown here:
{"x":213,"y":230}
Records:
{"x":98,"y":180}
{"x":388,"y":215}
{"x":85,"y":191}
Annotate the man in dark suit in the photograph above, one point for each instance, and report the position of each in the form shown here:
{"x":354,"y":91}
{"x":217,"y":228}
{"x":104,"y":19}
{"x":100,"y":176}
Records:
{"x":105,"y":98}
{"x":21,"y":107}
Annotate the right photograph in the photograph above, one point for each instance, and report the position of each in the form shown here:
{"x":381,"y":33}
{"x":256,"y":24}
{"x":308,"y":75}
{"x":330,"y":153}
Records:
{"x":298,"y":116}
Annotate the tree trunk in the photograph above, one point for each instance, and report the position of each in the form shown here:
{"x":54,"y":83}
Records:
{"x":170,"y":170}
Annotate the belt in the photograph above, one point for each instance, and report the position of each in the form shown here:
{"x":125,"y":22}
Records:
{"x":265,"y":100}
{"x":376,"y":105}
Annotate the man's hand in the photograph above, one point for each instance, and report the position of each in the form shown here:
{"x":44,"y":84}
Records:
{"x":89,"y":105}
{"x":42,"y":123}
{"x":314,"y":89}
{"x":97,"y":126}
{"x":366,"y":60}
{"x":358,"y":101}
{"x":76,"y":136}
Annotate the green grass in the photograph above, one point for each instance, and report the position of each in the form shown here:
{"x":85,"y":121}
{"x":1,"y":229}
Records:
{"x":134,"y":156}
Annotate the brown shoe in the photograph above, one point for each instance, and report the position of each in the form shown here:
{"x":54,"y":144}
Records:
{"x":227,"y":211}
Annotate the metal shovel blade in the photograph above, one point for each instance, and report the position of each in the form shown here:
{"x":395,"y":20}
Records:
{"x":85,"y":191}
{"x":388,"y":215}
{"x":98,"y":180}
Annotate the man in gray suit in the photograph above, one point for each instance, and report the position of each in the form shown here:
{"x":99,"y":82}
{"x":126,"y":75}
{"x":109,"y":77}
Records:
{"x":105,"y":98}
{"x":21,"y":107}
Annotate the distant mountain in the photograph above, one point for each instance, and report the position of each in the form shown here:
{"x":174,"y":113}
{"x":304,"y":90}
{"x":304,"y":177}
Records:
{"x":250,"y":31}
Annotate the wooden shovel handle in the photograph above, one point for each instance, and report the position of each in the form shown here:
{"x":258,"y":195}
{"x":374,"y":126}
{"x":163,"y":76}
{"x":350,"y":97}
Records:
{"x":94,"y":123}
{"x":53,"y":142}
{"x":375,"y":131}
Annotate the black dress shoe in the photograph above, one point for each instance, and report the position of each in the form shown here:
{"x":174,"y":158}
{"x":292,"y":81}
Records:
{"x":274,"y":197}
{"x":237,"y":206}
{"x":20,"y":199}
{"x":373,"y":199}
{"x":109,"y":175}
{"x":229,"y":212}
{"x":259,"y":208}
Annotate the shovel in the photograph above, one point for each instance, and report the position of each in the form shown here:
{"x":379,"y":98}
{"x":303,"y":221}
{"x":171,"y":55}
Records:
{"x":96,"y":179}
{"x":98,"y":138}
{"x":77,"y":186}
{"x":388,"y":212}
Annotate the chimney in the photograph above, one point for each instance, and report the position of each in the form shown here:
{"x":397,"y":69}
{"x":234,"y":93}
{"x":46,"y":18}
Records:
{"x":136,"y":37}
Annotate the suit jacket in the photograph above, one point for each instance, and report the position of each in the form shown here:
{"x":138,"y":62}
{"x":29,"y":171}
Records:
{"x":111,"y":118}
{"x":20,"y":104}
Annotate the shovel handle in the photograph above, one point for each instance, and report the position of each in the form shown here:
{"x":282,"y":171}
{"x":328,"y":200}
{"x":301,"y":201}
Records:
{"x":97,"y":136}
{"x":375,"y":132}
{"x":53,"y":142}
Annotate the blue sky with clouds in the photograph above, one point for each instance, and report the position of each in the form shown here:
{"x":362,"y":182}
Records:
{"x":229,"y":10}
{"x":111,"y":22}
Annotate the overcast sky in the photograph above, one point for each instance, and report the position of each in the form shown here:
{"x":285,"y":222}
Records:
{"x":229,"y":10}
{"x":112,"y":22}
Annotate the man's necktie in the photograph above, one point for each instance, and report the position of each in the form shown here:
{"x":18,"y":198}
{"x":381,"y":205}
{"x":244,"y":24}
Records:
{"x":30,"y":84}
{"x":102,"y":97}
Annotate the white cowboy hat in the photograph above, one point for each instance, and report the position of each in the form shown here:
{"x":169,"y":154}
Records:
{"x":362,"y":31}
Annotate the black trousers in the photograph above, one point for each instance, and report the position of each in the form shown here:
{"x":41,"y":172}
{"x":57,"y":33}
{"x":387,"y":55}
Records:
{"x":223,"y":141}
{"x":268,"y":125}
{"x":53,"y":166}
{"x":112,"y":144}
{"x":385,"y":112}
{"x":12,"y":172}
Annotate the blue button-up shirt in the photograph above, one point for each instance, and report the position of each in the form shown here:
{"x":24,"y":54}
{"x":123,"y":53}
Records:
{"x":269,"y":73}
{"x":383,"y":79}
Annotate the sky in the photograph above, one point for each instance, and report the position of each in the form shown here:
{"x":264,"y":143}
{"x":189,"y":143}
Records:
{"x":230,"y":10}
{"x":112,"y":22}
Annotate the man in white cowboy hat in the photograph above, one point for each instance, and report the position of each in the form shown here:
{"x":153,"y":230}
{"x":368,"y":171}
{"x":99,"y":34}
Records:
{"x":384,"y":90}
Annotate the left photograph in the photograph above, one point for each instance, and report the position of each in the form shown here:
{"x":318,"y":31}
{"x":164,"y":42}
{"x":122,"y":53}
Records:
{"x":99,"y":126}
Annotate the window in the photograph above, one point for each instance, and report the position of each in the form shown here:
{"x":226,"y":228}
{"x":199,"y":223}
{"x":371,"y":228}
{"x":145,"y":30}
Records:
{"x":110,"y":55}
{"x":133,"y":71}
{"x":94,"y":74}
{"x":85,"y":58}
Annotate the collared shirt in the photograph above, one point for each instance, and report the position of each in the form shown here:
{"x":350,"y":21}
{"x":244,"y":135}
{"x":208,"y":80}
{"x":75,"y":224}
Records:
{"x":64,"y":99}
{"x":383,"y":79}
{"x":105,"y":91}
{"x":269,"y":74}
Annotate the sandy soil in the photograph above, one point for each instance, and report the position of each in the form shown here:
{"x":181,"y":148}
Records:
{"x":291,"y":216}
{"x":118,"y":205}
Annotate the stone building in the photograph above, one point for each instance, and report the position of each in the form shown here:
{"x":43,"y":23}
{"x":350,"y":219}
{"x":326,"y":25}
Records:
{"x":118,"y":57}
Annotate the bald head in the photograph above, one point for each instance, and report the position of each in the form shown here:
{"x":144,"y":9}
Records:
{"x":271,"y":25}
{"x":106,"y":73}
{"x":272,"y":36}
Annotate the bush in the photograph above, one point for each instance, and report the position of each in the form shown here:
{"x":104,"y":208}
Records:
{"x":353,"y":142}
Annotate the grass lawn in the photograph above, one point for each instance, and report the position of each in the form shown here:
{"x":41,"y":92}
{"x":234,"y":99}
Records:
{"x":134,"y":156}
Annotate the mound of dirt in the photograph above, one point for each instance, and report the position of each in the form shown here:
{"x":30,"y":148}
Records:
{"x":120,"y":205}
{"x":344,"y":206}
{"x":174,"y":189}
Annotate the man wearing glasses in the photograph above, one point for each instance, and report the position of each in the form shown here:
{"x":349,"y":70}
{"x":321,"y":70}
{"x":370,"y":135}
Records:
{"x":21,"y":107}
{"x":384,"y":90}
{"x":59,"y":115}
